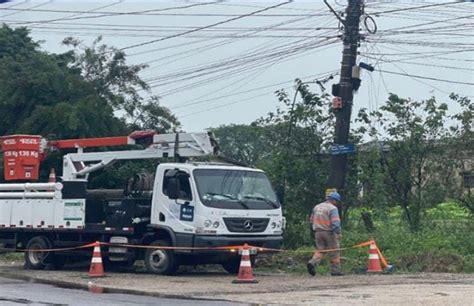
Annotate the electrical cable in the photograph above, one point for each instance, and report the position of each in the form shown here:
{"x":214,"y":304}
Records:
{"x":426,"y":77}
{"x":415,"y":8}
{"x":107,"y":14}
{"x":207,"y":26}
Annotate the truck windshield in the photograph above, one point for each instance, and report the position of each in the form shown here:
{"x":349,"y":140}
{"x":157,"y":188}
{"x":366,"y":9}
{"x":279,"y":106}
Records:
{"x":235,"y":189}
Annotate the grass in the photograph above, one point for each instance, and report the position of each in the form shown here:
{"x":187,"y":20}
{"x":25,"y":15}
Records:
{"x":8,"y":257}
{"x":445,"y":243}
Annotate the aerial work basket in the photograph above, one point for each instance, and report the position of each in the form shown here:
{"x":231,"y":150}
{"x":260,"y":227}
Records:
{"x":21,"y":157}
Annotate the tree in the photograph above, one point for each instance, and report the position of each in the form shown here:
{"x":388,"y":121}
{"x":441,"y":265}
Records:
{"x":244,"y":143}
{"x":119,"y":84}
{"x":461,"y":147}
{"x":80,"y":92}
{"x":413,"y":138}
{"x":85,"y":92}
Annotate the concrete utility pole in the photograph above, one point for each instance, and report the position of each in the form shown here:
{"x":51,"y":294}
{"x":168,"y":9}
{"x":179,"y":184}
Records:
{"x":346,"y":88}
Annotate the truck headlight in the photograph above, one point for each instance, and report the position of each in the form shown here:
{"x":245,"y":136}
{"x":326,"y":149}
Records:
{"x":207,"y":223}
{"x":216,"y":224}
{"x":273,"y":225}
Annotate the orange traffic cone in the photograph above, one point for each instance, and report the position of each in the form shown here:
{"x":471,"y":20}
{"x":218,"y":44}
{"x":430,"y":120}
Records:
{"x":374,"y":259}
{"x":97,"y":269}
{"x":52,"y":176}
{"x":245,"y":275}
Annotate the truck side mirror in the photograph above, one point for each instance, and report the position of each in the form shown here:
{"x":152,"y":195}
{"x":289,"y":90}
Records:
{"x":172,"y":189}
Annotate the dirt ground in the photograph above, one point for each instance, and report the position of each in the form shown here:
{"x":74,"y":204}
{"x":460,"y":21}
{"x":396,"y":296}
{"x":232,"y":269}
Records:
{"x":396,"y":289}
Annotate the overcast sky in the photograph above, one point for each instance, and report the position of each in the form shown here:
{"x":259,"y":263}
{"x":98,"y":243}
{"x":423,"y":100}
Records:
{"x":228,"y":73}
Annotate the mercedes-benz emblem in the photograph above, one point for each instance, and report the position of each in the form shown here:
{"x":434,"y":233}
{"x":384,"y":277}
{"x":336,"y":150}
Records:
{"x":248,"y":225}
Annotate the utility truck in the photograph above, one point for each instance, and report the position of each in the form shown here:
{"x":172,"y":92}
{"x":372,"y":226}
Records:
{"x":192,"y":206}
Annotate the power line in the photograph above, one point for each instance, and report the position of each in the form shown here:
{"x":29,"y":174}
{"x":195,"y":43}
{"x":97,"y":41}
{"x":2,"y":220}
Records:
{"x":206,"y":27}
{"x":250,"y":98}
{"x":185,"y":104}
{"x":272,"y":26}
{"x":415,"y":8}
{"x":425,"y":77}
{"x":240,"y":63}
{"x":152,"y":13}
{"x":104,"y":14}
{"x":77,"y":14}
{"x":14,"y":13}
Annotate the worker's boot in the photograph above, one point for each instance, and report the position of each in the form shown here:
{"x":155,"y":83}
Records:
{"x":336,"y":270}
{"x":311,"y":267}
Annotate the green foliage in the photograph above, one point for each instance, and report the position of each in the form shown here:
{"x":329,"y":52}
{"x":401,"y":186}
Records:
{"x":73,"y":95}
{"x":441,"y":245}
{"x":245,"y":143}
{"x":416,"y":157}
{"x":447,"y":211}
{"x":118,"y":84}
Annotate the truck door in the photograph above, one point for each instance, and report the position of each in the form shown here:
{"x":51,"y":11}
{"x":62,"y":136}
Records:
{"x":174,"y":206}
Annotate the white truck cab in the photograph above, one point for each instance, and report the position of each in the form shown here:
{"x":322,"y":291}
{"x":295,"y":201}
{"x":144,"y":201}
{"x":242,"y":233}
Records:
{"x":215,"y":204}
{"x":206,"y":205}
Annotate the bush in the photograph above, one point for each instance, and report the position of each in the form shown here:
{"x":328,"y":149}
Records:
{"x":444,"y":243}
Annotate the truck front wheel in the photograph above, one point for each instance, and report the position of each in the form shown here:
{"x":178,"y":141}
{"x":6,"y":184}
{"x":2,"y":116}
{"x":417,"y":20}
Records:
{"x":159,"y":261}
{"x":35,"y":259}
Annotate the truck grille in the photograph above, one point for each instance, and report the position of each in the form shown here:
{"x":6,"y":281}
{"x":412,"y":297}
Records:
{"x":246,"y":225}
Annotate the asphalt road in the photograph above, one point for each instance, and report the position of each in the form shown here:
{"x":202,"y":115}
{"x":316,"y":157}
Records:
{"x":18,"y":292}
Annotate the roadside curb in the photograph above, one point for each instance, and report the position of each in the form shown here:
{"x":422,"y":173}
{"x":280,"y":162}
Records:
{"x":107,"y":289}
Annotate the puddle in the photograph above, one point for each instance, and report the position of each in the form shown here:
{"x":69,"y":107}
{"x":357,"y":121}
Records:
{"x":98,"y":289}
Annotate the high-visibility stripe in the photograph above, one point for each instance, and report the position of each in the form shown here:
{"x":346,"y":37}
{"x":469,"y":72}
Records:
{"x":320,"y":221}
{"x":373,"y":256}
{"x":245,"y":263}
{"x":96,"y":260}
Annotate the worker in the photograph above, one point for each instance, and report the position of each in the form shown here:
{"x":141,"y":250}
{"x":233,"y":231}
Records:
{"x":326,"y":226}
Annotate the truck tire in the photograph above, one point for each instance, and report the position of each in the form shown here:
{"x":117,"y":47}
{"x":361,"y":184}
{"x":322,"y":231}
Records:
{"x":162,"y":262}
{"x":34,"y":259}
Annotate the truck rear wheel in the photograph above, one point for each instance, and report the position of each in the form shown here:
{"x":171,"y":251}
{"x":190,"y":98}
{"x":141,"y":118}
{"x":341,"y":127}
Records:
{"x":159,"y":261}
{"x":35,"y":259}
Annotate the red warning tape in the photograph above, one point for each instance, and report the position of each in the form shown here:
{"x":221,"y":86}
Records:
{"x":93,"y":244}
{"x":89,"y":245}
{"x":232,"y":248}
{"x":222,"y":248}
{"x":359,"y":245}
